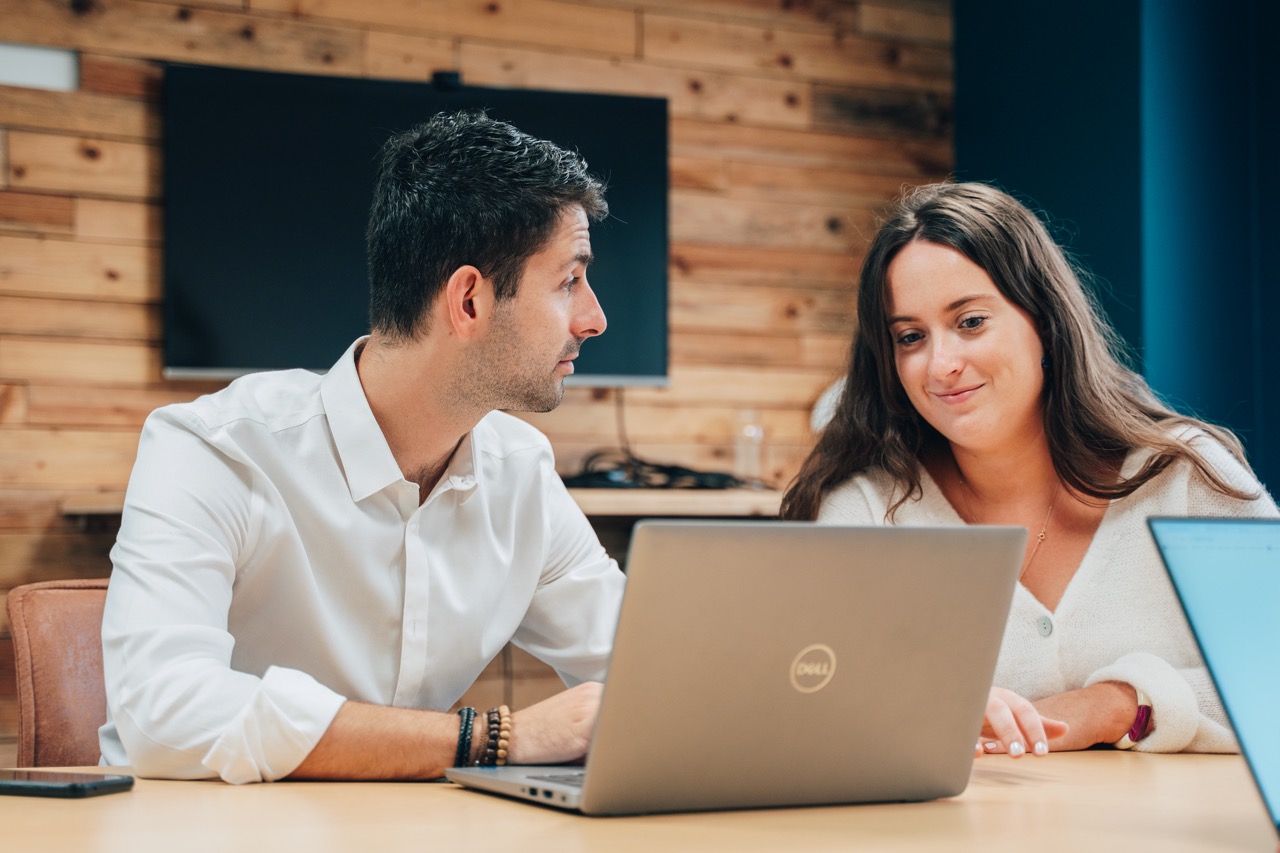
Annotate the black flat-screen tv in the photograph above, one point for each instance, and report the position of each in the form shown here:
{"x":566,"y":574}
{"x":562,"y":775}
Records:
{"x":267,"y":183}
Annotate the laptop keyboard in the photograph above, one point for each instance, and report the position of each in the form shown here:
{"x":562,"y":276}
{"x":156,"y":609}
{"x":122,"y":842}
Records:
{"x":573,"y":779}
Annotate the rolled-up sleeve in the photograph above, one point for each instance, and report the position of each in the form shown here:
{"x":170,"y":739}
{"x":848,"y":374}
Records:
{"x":1182,"y":712}
{"x":177,"y":708}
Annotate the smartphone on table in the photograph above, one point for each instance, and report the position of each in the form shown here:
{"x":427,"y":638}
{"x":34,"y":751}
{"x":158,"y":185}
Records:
{"x":50,"y":783}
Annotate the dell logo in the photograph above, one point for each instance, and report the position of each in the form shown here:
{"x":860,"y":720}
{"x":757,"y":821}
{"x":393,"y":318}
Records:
{"x":813,"y":668}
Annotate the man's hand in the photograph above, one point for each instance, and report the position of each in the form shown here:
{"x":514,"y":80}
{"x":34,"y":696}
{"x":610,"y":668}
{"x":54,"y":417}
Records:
{"x":555,"y":730}
{"x":1015,"y":726}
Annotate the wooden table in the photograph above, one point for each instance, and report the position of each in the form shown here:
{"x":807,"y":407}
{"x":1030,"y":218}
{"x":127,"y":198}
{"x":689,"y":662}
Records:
{"x":1097,"y":802}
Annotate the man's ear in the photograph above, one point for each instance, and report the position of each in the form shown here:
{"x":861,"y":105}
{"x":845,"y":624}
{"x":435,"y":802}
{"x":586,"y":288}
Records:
{"x":468,"y":301}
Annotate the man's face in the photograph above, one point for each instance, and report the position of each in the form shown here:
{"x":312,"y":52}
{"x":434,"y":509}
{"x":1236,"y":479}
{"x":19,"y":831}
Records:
{"x":534,"y":336}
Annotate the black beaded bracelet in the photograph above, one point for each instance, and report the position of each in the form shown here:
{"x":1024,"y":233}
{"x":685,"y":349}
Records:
{"x":498,"y":739}
{"x":466,"y":717}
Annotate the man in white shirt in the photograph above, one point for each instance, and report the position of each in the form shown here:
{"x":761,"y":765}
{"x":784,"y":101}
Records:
{"x":311,"y":570}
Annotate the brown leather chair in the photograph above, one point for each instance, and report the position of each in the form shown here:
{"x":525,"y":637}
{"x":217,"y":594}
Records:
{"x":57,"y":646}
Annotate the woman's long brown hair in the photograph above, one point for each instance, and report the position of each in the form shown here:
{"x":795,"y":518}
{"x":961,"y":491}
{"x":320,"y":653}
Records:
{"x":1096,"y":410}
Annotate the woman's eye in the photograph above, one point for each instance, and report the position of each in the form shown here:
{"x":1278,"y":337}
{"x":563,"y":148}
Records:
{"x":908,"y":338}
{"x":974,"y":322}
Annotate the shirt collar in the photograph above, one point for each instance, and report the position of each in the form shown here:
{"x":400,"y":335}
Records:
{"x":362,"y":449}
{"x":460,"y":473}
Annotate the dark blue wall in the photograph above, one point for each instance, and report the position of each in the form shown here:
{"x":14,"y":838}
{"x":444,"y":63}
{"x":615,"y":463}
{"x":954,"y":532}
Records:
{"x":1046,"y":108}
{"x":1148,"y":127}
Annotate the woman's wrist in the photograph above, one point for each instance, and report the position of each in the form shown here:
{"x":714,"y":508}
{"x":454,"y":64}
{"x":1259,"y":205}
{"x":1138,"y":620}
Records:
{"x":1118,"y":711}
{"x":1143,"y":723}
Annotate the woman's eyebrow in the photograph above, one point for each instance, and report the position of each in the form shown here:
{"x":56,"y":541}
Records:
{"x":953,"y":306}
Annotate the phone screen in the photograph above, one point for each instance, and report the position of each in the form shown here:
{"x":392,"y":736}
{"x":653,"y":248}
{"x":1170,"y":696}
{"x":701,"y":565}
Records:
{"x":48,"y":783}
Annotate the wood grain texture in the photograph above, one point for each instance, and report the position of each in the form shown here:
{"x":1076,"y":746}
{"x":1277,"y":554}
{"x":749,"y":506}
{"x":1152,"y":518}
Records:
{"x":917,"y":159}
{"x":55,"y":360}
{"x":109,"y":220}
{"x":78,"y":113}
{"x":49,"y":267}
{"x":97,"y":406}
{"x":699,"y":262}
{"x":74,"y":318}
{"x":818,"y":15}
{"x":832,"y":56}
{"x":83,"y":165}
{"x":40,"y":458}
{"x":103,"y":74}
{"x":580,"y":27}
{"x":182,"y":32}
{"x":407,"y":57}
{"x":706,"y":217}
{"x":694,"y":93}
{"x":40,"y":214}
{"x":14,"y":403}
{"x":921,"y":22}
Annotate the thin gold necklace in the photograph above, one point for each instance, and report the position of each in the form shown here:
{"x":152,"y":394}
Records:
{"x":972,"y":519}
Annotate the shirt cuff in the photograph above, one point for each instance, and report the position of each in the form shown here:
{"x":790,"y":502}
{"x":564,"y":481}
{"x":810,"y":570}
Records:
{"x":283,"y":721}
{"x":1174,"y":712}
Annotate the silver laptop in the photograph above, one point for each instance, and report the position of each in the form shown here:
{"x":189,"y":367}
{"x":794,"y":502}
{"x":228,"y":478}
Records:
{"x":1227,"y":574}
{"x":768,"y":663}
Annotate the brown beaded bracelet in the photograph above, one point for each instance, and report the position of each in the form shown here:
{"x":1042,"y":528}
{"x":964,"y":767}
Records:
{"x":488,"y":756}
{"x":497,"y":737}
{"x":479,"y":743}
{"x":504,"y":733}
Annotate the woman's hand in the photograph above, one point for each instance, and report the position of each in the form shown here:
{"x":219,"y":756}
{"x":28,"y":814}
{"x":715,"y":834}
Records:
{"x":1015,"y":726}
{"x":1100,"y":713}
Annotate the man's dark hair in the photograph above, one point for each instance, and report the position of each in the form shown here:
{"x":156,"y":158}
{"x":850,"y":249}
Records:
{"x":462,"y":189}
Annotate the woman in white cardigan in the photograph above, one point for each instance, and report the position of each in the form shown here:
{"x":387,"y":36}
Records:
{"x":985,"y":389}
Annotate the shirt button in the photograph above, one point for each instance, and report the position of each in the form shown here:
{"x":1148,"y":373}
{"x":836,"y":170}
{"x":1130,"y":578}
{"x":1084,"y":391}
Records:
{"x":1044,"y":625}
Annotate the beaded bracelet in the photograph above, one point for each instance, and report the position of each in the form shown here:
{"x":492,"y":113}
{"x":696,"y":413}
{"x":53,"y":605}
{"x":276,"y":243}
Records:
{"x":479,"y":745}
{"x":497,"y":737}
{"x":489,"y":755}
{"x":462,"y":755}
{"x":504,"y":733}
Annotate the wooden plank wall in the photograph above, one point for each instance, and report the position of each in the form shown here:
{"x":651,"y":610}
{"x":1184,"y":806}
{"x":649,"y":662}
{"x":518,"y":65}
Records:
{"x":792,"y":121}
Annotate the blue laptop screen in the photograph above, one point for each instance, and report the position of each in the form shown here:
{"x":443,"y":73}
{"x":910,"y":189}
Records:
{"x":1227,"y":574}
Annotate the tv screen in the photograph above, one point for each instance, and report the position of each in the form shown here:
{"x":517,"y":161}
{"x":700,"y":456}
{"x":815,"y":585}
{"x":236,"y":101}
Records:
{"x":267,"y":184}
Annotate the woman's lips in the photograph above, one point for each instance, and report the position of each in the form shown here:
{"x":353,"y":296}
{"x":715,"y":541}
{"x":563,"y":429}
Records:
{"x":959,"y":395}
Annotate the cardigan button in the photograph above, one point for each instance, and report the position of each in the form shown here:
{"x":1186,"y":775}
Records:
{"x":1044,"y":625}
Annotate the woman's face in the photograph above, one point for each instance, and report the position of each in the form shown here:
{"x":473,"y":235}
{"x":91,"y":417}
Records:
{"x":968,"y":358}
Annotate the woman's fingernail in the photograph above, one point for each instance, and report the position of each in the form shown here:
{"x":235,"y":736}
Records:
{"x":1041,"y":748}
{"x":1017,"y":749}
{"x":991,"y":746}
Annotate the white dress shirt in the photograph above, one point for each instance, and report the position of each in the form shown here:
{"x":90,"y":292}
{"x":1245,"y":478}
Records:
{"x":273,"y":562}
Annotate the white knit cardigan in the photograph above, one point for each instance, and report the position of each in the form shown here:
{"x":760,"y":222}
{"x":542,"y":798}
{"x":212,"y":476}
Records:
{"x":1119,"y":618}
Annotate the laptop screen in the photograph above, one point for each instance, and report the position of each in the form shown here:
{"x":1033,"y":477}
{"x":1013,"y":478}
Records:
{"x":1227,"y":574}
